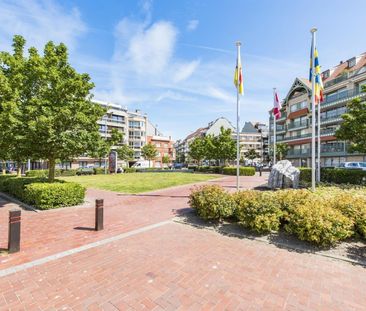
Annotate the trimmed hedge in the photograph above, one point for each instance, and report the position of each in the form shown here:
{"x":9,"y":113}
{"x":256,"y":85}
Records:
{"x":324,"y":218}
{"x":335,"y":175}
{"x":41,"y":194}
{"x":130,"y":170}
{"x":44,"y":173}
{"x":48,"y":196}
{"x":99,"y":170}
{"x":243,"y":171}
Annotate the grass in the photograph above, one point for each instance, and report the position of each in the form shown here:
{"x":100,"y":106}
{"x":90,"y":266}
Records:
{"x":138,"y":182}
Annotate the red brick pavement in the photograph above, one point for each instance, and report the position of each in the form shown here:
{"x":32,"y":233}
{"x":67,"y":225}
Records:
{"x":177,"y":267}
{"x":53,"y":231}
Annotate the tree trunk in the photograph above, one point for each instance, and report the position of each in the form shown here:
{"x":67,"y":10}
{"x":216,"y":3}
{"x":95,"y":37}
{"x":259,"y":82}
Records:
{"x":51,"y":170}
{"x":19,"y":169}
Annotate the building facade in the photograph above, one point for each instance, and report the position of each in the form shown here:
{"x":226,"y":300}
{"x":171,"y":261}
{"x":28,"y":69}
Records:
{"x":252,"y":136}
{"x":342,"y":84}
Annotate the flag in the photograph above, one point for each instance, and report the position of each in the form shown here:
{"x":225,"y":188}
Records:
{"x":318,"y":78}
{"x":238,"y":77}
{"x":276,"y":106}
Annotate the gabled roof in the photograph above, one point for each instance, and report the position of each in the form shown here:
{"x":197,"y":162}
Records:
{"x":299,"y":83}
{"x":249,"y":128}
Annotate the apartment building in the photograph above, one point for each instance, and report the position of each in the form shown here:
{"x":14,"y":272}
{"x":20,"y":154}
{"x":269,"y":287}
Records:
{"x":163,"y":144}
{"x":250,"y":139}
{"x":252,"y":136}
{"x":342,"y":84}
{"x":213,"y":128}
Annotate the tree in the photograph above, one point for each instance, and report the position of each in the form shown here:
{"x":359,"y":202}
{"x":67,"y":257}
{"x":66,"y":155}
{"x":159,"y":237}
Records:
{"x":251,"y":154}
{"x":13,"y":99}
{"x":149,"y":152}
{"x":125,"y":153}
{"x":197,"y":149}
{"x":222,"y":147}
{"x":281,"y":150}
{"x":165,"y":159}
{"x":353,"y":127}
{"x":102,"y":147}
{"x":53,"y":116}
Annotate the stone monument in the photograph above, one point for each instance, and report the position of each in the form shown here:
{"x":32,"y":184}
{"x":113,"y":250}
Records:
{"x":284,"y":175}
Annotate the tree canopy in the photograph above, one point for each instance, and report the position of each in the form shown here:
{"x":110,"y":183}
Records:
{"x":46,"y":110}
{"x":251,"y":154}
{"x":149,"y":152}
{"x":353,"y":127}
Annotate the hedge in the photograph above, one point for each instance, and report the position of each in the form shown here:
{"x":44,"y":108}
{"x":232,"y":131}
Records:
{"x":48,"y":196}
{"x":324,"y":217}
{"x":41,"y":194}
{"x":44,"y":173}
{"x":336,"y":176}
{"x":243,"y":171}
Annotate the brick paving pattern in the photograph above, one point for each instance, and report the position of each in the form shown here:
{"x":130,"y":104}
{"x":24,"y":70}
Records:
{"x":172,"y":267}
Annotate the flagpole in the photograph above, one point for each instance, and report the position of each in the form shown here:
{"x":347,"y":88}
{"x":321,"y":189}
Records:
{"x":238,"y":44}
{"x":319,"y":143}
{"x":313,"y":34}
{"x":274,"y":131}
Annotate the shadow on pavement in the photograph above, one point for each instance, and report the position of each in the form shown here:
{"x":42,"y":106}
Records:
{"x":352,"y":250}
{"x":84,"y":228}
{"x":152,"y":195}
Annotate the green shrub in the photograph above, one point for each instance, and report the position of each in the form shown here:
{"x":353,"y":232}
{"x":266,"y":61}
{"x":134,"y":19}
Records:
{"x":335,"y":176}
{"x":259,"y":211}
{"x":130,"y":170}
{"x":99,"y":170}
{"x":54,"y":195}
{"x":69,"y":172}
{"x":292,"y":198}
{"x":317,"y":222}
{"x":243,"y":171}
{"x":37,"y":173}
{"x":212,"y":202}
{"x":16,"y":186}
{"x":3,"y":180}
{"x":352,"y":205}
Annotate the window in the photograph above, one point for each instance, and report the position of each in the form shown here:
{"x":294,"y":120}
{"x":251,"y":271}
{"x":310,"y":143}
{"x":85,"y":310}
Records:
{"x":298,"y":106}
{"x":326,"y":74}
{"x":351,"y":62}
{"x":117,"y":118}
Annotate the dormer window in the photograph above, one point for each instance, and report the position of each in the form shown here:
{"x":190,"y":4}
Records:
{"x":326,"y":74}
{"x":351,"y":62}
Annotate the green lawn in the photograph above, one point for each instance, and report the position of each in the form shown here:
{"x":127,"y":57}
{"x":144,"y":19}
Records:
{"x":138,"y":182}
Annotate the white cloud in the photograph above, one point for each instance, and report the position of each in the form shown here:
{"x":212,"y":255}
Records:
{"x":39,"y":22}
{"x":184,"y":71}
{"x":192,"y":24}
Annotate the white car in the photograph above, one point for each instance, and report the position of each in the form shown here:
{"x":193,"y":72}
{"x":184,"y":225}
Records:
{"x":354,"y":165}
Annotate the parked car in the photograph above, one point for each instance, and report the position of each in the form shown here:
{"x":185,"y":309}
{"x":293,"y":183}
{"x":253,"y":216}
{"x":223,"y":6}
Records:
{"x":141,"y":164}
{"x":85,"y":171}
{"x":353,"y":165}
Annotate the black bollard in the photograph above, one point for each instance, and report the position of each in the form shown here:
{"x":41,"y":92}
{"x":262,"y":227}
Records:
{"x":260,"y":171}
{"x":14,"y":231}
{"x":99,"y":214}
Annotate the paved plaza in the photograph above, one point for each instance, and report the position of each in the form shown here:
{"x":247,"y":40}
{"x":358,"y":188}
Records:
{"x":143,"y":260}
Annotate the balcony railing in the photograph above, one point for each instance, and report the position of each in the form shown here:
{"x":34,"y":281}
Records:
{"x":296,"y":125}
{"x":343,"y":95}
{"x":114,"y":120}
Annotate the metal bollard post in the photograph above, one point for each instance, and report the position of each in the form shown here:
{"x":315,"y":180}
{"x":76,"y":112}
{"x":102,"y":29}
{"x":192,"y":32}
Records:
{"x":99,"y":214}
{"x":260,"y":171}
{"x":14,"y":231}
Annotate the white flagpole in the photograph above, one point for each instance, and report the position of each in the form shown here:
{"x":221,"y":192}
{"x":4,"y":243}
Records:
{"x":274,"y":130}
{"x":313,"y":33}
{"x":237,"y":123}
{"x":319,"y":143}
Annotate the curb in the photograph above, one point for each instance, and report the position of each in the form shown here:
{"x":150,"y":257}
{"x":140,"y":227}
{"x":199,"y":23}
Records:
{"x":21,"y":204}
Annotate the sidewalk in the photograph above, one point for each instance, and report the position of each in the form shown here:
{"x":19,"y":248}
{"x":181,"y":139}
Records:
{"x":53,"y":231}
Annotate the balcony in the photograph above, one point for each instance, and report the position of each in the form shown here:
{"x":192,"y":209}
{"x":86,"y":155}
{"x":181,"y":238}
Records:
{"x":298,"y":125}
{"x":336,"y":80}
{"x":332,"y":119}
{"x":340,"y":149}
{"x":283,"y":116}
{"x":114,"y":120}
{"x":345,"y":95}
{"x":327,"y":132}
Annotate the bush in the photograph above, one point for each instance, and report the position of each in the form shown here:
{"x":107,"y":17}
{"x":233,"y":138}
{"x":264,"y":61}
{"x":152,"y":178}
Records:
{"x":336,"y":176}
{"x":3,"y":180}
{"x":16,"y":186}
{"x":99,"y":170}
{"x":37,"y":173}
{"x":130,"y":170}
{"x":317,"y":222}
{"x":259,"y":211}
{"x":69,"y":172}
{"x":243,"y":171}
{"x":212,"y":202}
{"x":209,"y":169}
{"x":54,"y":195}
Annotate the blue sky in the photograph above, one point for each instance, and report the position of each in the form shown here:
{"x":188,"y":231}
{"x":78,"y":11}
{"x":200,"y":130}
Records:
{"x":174,"y":60}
